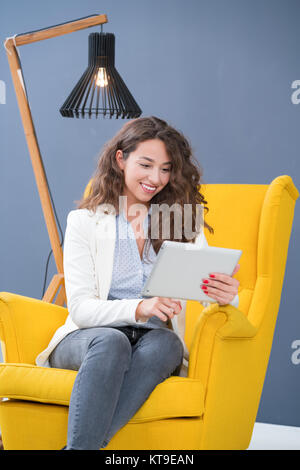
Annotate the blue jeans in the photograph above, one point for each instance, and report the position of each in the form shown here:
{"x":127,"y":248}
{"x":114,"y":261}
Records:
{"x":117,"y":371}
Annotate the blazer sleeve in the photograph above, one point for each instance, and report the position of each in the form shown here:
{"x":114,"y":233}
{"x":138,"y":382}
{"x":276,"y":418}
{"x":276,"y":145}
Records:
{"x":85,"y":307}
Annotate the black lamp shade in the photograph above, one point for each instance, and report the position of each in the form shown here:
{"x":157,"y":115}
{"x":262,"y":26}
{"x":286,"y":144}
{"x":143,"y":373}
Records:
{"x":101,"y":90}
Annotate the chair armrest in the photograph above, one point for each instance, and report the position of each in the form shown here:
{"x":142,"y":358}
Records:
{"x":27,"y":326}
{"x":223,"y":321}
{"x":237,"y":324}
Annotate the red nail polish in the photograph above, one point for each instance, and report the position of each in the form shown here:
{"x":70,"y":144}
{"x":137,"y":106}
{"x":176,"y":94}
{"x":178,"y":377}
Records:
{"x":212,"y":275}
{"x":205,"y":281}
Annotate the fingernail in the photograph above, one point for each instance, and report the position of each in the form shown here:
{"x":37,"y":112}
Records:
{"x":205,"y":281}
{"x":212,"y":275}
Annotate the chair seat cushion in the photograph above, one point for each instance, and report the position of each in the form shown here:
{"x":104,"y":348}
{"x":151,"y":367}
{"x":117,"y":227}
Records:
{"x":175,"y":397}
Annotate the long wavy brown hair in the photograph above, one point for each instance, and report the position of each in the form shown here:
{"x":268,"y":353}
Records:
{"x":185,"y":178}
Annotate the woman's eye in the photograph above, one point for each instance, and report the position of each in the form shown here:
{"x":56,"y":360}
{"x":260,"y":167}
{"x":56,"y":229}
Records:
{"x":148,"y":166}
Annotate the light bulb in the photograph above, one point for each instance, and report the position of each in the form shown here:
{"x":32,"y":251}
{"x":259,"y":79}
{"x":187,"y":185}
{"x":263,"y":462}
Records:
{"x":101,"y":79}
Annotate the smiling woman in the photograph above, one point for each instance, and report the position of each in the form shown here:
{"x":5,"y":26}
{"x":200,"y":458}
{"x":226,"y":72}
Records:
{"x":124,"y":345}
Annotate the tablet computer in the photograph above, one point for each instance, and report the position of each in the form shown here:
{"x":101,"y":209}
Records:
{"x":180,"y":267}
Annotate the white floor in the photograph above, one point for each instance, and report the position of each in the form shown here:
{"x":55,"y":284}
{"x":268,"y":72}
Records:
{"x":275,"y":437}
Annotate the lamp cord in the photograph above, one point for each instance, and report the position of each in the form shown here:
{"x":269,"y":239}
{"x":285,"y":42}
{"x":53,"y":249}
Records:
{"x":60,"y":230}
{"x":58,"y":223}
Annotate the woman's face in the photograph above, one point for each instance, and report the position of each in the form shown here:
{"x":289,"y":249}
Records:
{"x":146,"y":171}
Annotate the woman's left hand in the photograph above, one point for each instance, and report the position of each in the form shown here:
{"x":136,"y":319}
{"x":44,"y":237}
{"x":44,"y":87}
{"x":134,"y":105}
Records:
{"x":221,"y":287}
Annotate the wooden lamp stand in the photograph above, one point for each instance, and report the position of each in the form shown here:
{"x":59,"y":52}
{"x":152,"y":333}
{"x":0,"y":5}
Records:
{"x":56,"y":286}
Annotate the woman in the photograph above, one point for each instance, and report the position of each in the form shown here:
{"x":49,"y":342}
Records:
{"x":122,"y":345}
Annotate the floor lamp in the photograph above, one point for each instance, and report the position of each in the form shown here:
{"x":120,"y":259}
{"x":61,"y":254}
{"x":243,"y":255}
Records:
{"x":56,"y":289}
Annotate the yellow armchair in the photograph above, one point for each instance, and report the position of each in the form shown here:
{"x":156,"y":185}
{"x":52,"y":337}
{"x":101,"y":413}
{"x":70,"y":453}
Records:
{"x":215,"y":407}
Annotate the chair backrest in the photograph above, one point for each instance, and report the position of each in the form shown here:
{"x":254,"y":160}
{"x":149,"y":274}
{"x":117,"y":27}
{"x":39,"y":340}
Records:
{"x":257,"y":219}
{"x":235,"y":213}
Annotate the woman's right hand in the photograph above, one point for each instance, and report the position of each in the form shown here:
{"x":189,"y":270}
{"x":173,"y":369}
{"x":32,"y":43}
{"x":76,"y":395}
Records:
{"x":161,"y":307}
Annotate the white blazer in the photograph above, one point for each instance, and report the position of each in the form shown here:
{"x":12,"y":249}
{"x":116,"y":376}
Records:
{"x":88,"y":263}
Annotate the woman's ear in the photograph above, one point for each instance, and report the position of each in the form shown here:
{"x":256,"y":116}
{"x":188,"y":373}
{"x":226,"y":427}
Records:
{"x":120,"y":160}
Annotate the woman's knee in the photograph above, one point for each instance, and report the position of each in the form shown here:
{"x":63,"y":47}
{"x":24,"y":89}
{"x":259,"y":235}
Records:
{"x":100,"y":342}
{"x":113,"y":342}
{"x":165,"y":349}
{"x":168,"y":338}
{"x":172,"y":345}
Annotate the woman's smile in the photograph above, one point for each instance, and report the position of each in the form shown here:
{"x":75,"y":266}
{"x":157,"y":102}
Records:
{"x":148,"y":188}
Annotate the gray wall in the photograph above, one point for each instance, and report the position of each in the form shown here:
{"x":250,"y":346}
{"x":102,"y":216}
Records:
{"x":221,"y":71}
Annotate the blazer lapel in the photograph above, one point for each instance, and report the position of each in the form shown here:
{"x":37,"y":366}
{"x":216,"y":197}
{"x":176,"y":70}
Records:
{"x":105,"y":246}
